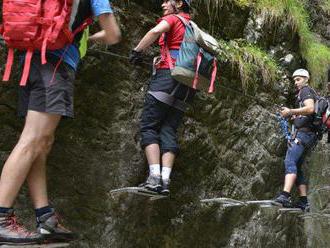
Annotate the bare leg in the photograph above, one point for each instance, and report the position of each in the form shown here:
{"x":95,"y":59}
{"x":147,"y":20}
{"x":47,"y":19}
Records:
{"x":35,"y":140}
{"x":37,"y":182}
{"x":153,"y":154}
{"x":37,"y":179}
{"x":302,"y":190}
{"x":289,"y":181}
{"x":168,"y":159}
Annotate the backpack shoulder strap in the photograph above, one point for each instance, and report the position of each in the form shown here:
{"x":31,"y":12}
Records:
{"x":167,"y":50}
{"x":315,"y":92}
{"x":183,"y":20}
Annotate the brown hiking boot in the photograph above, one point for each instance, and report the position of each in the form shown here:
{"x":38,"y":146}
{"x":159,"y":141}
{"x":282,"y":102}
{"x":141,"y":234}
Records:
{"x":11,"y":232}
{"x":52,"y":231}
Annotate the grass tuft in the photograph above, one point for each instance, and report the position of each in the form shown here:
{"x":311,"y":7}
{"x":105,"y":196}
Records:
{"x":295,"y":13}
{"x":250,"y":62}
{"x":325,"y":5}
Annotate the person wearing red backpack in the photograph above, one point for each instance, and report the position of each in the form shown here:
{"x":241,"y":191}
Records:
{"x":46,"y":98}
{"x":165,"y":102}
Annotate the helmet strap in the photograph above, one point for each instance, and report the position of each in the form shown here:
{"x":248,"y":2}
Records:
{"x":306,"y":81}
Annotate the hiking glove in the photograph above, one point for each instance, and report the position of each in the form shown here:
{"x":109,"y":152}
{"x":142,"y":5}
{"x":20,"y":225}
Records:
{"x":135,"y":57}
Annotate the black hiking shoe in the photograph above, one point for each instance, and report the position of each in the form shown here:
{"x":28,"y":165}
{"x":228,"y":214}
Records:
{"x":152,"y":183}
{"x":283,"y":201}
{"x":165,"y":190}
{"x":52,"y":231}
{"x":303,"y":205}
{"x":13,"y":233}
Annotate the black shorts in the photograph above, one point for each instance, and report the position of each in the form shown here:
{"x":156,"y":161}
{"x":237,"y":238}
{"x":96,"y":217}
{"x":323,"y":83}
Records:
{"x":43,"y":94}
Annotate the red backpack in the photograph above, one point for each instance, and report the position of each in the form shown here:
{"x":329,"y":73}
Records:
{"x":30,"y":25}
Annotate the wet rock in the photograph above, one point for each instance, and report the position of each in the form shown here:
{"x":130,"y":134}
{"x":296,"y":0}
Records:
{"x":253,"y":30}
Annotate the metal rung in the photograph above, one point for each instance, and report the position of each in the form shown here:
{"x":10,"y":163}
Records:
{"x":226,"y":201}
{"x":53,"y":245}
{"x":290,"y":210}
{"x":261,"y":202}
{"x":138,"y":191}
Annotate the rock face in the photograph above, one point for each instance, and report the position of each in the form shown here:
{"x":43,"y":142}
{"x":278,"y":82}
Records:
{"x":231,"y":146}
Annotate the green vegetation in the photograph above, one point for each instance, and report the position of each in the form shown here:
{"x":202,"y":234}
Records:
{"x":325,"y":5}
{"x":312,"y":50}
{"x":250,"y":62}
{"x":211,"y":4}
{"x":293,"y":12}
{"x":214,"y":7}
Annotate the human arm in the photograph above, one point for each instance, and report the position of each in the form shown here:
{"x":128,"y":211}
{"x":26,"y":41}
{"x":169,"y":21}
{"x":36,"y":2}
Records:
{"x":152,"y":36}
{"x":110,"y":33}
{"x":307,"y":109}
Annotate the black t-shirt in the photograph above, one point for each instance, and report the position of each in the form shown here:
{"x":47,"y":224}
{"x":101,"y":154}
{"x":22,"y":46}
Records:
{"x":304,"y":120}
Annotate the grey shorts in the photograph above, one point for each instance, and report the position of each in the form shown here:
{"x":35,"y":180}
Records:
{"x":43,"y":94}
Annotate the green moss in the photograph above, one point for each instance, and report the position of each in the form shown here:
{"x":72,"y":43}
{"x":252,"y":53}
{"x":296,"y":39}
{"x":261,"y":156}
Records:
{"x":214,"y":6}
{"x":325,"y":5}
{"x":294,"y":12}
{"x":318,"y":62}
{"x":218,"y":3}
{"x":272,"y":9}
{"x":250,"y":62}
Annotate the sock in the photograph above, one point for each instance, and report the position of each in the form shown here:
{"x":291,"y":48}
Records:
{"x":166,"y":172}
{"x":154,"y":169}
{"x":303,"y":199}
{"x":287,"y":194}
{"x":41,"y":211}
{"x":5,"y":210}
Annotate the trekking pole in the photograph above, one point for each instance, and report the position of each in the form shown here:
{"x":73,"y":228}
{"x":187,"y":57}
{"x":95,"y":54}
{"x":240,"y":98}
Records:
{"x":114,"y":55}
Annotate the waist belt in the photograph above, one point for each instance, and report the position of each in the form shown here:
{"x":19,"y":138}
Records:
{"x":170,"y":99}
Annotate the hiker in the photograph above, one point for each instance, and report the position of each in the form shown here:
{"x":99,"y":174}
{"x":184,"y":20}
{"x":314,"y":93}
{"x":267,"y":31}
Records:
{"x":304,"y":138}
{"x":43,"y":102}
{"x":161,"y":118}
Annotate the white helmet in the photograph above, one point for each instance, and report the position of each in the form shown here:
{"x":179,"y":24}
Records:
{"x":301,"y":73}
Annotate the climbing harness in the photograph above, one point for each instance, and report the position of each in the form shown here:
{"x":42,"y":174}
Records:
{"x":170,"y":99}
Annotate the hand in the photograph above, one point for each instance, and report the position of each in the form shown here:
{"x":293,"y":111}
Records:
{"x":286,"y":112}
{"x":135,"y":57}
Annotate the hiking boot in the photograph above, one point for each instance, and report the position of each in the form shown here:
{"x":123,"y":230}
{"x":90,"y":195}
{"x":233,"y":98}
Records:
{"x":152,"y":183}
{"x":304,"y":206}
{"x":283,"y":201}
{"x":165,"y":190}
{"x":52,"y":231}
{"x":11,"y":232}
